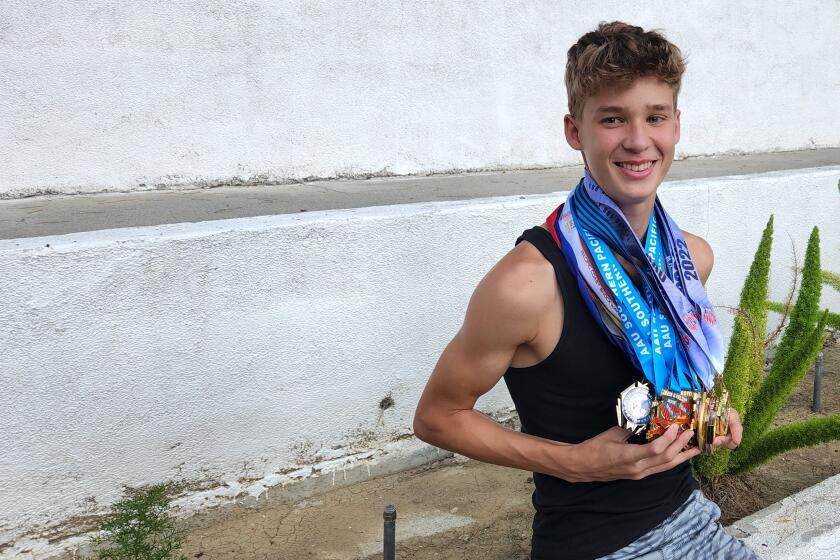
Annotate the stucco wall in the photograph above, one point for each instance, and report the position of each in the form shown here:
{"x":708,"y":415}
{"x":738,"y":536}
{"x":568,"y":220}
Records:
{"x":107,"y":95}
{"x":233,"y":349}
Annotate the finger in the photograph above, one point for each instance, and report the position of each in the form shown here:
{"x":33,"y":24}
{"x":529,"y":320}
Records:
{"x":726,"y":441}
{"x":682,"y":457}
{"x":730,"y":442}
{"x":732,"y":439}
{"x":659,"y":445}
{"x":635,"y":453}
{"x":617,"y":434}
{"x":673,"y":450}
{"x":736,"y":430}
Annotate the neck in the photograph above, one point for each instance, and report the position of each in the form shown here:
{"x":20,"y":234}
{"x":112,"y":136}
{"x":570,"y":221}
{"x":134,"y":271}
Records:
{"x":638,"y":215}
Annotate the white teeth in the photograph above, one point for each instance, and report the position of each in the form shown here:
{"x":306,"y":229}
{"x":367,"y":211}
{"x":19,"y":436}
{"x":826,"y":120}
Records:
{"x":632,"y":167}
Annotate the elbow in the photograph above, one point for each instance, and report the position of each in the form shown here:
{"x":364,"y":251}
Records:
{"x":421,"y":426}
{"x":427,"y":424}
{"x":435,"y":427}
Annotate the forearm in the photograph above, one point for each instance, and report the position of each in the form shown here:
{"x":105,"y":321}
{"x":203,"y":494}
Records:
{"x":476,"y":436}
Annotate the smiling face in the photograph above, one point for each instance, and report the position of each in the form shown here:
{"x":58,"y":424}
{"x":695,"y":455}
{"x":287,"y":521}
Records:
{"x":627,"y":136}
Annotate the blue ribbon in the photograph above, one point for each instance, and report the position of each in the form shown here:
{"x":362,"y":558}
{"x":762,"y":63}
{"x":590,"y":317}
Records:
{"x":666,"y":326}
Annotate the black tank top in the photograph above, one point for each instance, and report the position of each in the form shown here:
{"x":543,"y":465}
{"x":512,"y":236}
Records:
{"x":571,"y":396}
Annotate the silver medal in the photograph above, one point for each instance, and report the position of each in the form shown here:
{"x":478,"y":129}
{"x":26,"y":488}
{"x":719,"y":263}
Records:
{"x":634,"y":406}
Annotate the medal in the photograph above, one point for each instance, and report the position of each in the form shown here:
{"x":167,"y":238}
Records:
{"x":704,"y":412}
{"x":633,"y":408}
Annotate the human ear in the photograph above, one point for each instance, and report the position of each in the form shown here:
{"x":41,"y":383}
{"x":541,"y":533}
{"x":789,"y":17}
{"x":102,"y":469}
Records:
{"x":572,"y":133}
{"x":677,"y":124}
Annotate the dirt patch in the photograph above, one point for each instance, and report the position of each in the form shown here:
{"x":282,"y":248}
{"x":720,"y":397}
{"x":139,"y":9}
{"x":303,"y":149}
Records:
{"x":452,"y":509}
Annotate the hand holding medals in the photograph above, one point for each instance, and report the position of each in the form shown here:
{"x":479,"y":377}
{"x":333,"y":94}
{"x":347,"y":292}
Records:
{"x":706,"y":413}
{"x":608,"y":456}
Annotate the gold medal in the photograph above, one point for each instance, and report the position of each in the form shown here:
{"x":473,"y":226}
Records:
{"x":703,"y":412}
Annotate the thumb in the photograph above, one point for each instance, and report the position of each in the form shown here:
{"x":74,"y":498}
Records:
{"x":617,"y":434}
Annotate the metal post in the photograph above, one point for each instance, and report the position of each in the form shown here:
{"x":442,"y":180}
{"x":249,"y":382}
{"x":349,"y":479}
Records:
{"x":390,"y":517}
{"x":818,"y":376}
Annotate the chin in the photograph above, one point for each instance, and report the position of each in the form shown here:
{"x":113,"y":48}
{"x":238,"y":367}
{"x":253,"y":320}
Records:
{"x":622,"y":190}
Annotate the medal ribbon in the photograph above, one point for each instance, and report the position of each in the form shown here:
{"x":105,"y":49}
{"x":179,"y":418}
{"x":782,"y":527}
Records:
{"x":667,"y":329}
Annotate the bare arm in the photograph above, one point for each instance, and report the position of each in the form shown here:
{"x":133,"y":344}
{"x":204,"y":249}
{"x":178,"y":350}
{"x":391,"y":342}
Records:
{"x":503,"y":314}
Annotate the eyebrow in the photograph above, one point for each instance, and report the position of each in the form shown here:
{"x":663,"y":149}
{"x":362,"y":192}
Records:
{"x":617,"y":109}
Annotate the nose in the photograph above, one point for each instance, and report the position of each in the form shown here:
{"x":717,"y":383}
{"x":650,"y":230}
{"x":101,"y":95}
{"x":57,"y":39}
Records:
{"x":636,"y":139}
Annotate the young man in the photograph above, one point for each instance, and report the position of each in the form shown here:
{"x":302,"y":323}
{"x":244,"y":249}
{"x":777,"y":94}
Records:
{"x":544,"y":319}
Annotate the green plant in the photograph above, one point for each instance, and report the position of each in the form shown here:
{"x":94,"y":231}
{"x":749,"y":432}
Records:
{"x":758,"y":398}
{"x":140,"y":527}
{"x":830,"y":278}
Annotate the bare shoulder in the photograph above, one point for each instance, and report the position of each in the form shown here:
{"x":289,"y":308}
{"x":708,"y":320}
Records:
{"x":701,"y":253}
{"x":503,"y":313}
{"x":506,"y":306}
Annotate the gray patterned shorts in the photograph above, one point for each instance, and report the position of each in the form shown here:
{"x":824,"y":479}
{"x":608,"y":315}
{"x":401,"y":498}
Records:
{"x":692,"y":532}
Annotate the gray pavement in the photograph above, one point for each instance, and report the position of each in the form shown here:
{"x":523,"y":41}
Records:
{"x":803,"y":526}
{"x":60,"y":214}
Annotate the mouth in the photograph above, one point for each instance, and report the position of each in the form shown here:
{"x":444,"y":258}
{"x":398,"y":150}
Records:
{"x":638,"y":169}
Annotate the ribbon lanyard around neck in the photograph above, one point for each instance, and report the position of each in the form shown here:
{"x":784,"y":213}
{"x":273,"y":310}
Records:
{"x":648,"y":331}
{"x":681,"y":293}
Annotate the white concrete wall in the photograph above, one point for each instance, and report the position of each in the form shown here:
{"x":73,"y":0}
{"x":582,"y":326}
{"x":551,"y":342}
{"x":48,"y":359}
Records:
{"x":106,"y":95}
{"x":241,"y":349}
